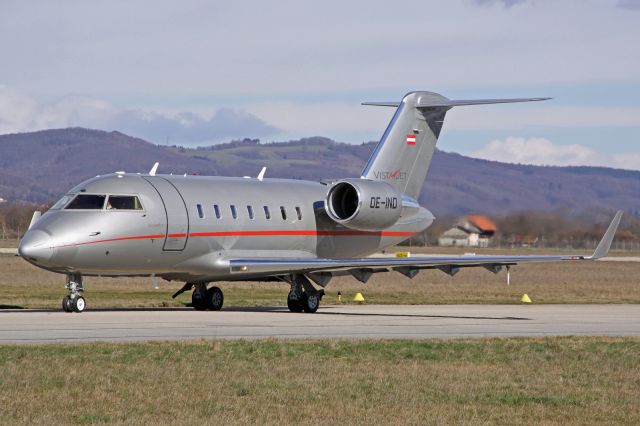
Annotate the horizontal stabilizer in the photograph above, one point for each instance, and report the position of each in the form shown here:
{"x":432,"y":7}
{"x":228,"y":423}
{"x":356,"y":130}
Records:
{"x":387,"y":104}
{"x":453,"y":103}
{"x":450,"y":103}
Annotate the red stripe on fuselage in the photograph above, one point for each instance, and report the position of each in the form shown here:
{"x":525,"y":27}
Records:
{"x":265,"y":233}
{"x":301,"y":232}
{"x":110,"y":240}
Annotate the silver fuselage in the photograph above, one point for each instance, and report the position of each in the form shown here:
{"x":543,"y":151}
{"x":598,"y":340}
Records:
{"x":173,"y":238}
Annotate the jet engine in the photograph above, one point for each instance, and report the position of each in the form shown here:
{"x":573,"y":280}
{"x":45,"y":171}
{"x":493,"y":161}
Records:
{"x":364,"y":205}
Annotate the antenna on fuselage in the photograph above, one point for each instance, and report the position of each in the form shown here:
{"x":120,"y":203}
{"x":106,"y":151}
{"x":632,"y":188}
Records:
{"x":154,"y":169}
{"x":260,"y":175}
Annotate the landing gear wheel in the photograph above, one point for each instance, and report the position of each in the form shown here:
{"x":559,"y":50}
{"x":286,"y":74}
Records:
{"x":293,"y":305}
{"x":78,"y":304}
{"x":310,"y":304}
{"x":66,"y":304}
{"x":214,"y":299}
{"x":198,"y":301}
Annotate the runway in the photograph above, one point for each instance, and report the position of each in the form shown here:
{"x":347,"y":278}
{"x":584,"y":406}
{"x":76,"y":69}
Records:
{"x":368,"y":321}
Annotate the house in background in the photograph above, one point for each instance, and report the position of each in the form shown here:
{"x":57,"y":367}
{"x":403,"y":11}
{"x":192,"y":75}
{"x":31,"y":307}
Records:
{"x":471,"y":231}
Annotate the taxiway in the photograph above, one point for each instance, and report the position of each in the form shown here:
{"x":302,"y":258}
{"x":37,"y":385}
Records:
{"x":365,"y":321}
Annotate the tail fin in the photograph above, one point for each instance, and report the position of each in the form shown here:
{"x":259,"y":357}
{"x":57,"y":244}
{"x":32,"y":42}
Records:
{"x":403,"y":155}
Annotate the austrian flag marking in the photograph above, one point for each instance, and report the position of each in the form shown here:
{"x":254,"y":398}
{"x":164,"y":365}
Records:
{"x":411,"y":139}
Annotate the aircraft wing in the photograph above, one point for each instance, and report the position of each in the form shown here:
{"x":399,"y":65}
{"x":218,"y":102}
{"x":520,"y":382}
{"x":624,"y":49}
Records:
{"x":364,"y":267}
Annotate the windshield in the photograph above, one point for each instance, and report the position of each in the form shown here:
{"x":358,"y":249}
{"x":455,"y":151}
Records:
{"x":87,"y":202}
{"x":123,"y":202}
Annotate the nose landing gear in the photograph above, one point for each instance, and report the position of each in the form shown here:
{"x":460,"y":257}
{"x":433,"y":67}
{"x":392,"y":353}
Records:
{"x":74,"y":302}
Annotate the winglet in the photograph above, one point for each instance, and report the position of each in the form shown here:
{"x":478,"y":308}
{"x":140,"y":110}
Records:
{"x":154,"y":169}
{"x":261,"y":174}
{"x":605,"y":243}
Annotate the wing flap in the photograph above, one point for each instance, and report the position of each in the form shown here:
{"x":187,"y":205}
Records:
{"x":288,"y":265}
{"x":282,"y":266}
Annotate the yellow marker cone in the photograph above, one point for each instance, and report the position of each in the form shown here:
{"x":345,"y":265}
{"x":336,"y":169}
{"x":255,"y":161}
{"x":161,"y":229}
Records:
{"x":358,"y":298}
{"x":525,"y":299}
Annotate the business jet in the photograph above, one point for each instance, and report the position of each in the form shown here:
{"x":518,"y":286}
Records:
{"x":200,"y":230}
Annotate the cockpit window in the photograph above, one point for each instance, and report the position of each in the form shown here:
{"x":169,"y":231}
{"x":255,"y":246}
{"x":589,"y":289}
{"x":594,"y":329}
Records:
{"x":87,"y":202}
{"x":61,"y":202}
{"x":123,"y":202}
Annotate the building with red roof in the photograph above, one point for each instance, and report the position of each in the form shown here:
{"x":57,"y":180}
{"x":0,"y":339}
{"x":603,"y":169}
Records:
{"x":471,"y":231}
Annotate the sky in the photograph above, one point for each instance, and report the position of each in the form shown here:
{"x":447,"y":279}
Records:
{"x":198,"y":72}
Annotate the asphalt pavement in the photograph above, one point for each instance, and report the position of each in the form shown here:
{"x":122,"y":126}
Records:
{"x":363,"y":321}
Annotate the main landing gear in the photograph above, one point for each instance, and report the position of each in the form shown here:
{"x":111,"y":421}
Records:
{"x":206,"y":299}
{"x":203,"y":299}
{"x":303,"y":296}
{"x":74,"y":302}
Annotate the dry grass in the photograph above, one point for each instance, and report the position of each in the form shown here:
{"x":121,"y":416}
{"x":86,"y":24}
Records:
{"x":22,"y":285}
{"x":8,"y":243}
{"x":496,"y":381}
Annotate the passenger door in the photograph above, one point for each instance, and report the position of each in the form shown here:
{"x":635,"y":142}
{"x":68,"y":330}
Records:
{"x":177,"y":231}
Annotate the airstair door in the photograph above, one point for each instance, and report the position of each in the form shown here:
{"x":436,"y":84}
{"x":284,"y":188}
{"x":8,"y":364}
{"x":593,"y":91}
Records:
{"x":177,"y":231}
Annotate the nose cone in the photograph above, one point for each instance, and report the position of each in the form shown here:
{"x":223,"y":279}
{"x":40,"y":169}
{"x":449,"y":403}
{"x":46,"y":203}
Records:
{"x":36,"y":246}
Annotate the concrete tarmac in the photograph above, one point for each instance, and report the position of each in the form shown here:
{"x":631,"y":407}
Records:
{"x":366,"y":321}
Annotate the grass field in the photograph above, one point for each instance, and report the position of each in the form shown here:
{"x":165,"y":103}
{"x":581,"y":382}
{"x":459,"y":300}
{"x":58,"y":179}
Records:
{"x":498,"y":381}
{"x":23,"y":285}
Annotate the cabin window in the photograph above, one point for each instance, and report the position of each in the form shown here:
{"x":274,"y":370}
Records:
{"x":123,"y":202}
{"x":250,"y":211}
{"x":216,"y":210}
{"x":234,"y":212}
{"x":283,"y":212}
{"x":267,"y":213}
{"x":87,"y":202}
{"x":200,"y":211}
{"x":299,"y":213}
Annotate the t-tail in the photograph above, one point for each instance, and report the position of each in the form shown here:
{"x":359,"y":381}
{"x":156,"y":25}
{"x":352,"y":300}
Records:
{"x":403,"y":155}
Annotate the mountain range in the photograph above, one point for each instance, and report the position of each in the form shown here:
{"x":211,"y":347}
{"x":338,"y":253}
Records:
{"x":41,"y":166}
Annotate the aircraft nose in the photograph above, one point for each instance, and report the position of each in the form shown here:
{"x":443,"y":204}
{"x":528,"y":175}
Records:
{"x":36,"y":246}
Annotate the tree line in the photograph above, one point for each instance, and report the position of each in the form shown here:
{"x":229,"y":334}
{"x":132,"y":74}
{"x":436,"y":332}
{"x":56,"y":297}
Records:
{"x":15,"y":218}
{"x":558,"y":229}
{"x":517,"y":229}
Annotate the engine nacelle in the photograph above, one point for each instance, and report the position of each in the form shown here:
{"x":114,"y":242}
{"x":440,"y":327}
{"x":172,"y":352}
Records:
{"x":364,"y":205}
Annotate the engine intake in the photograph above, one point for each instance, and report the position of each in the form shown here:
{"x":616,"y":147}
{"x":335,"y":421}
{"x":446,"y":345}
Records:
{"x":363,"y":204}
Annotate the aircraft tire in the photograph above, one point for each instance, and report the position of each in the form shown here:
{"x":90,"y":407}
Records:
{"x":78,"y":304}
{"x":214,"y":299}
{"x":294,"y":305}
{"x":66,"y":304}
{"x":310,"y":304}
{"x":198,"y":302}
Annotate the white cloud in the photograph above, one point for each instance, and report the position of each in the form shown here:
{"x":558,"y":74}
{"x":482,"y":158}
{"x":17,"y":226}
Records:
{"x":541,"y":151}
{"x":347,"y":122}
{"x":194,"y":46}
{"x":20,"y":113}
{"x":506,"y":3}
{"x":541,"y":115}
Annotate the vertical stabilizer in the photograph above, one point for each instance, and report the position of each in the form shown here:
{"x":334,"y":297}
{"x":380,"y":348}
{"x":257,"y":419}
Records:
{"x":403,"y":155}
